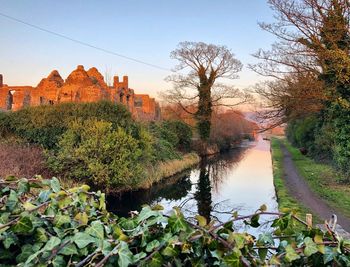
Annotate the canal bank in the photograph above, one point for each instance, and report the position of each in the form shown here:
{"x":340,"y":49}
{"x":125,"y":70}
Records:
{"x":239,"y":180}
{"x":303,"y":181}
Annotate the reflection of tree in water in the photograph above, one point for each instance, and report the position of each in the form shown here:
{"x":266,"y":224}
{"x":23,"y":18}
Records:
{"x":218,"y":167}
{"x":174,"y":188}
{"x":212,"y":172}
{"x":203,"y":193}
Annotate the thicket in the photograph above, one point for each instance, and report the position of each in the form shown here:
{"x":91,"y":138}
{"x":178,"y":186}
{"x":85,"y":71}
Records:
{"x":71,"y":227}
{"x":94,"y":151}
{"x":172,"y":136}
{"x":98,"y":143}
{"x":45,"y":124}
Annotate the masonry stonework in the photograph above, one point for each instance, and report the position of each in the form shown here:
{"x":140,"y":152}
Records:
{"x":80,"y":86}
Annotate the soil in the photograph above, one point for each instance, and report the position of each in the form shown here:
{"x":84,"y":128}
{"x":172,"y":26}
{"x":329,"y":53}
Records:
{"x":299,"y":189}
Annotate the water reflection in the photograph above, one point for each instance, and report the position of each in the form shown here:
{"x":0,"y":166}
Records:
{"x":240,"y":180}
{"x":203,"y":191}
{"x":173,"y":189}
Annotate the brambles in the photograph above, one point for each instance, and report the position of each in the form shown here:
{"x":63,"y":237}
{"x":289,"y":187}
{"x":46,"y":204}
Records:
{"x":59,"y":227}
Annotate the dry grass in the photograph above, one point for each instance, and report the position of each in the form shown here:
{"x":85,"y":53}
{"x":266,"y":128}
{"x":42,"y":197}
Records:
{"x":21,"y":160}
{"x":169,"y":168}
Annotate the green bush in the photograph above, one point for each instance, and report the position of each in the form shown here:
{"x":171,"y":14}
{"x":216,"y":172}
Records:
{"x":45,"y":124}
{"x":165,"y":142}
{"x":95,"y":152}
{"x":183,"y":133}
{"x":4,"y":124}
{"x":302,"y":132}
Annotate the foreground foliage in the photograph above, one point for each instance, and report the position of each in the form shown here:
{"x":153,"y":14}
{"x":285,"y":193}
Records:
{"x":42,"y":224}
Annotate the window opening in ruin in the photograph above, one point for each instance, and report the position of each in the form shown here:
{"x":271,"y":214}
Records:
{"x":9,"y":100}
{"x":26,"y":100}
{"x":138,"y":103}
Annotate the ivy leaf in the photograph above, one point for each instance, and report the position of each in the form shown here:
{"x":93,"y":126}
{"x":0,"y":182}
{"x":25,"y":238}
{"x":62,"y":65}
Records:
{"x":254,"y":221}
{"x":266,"y":239}
{"x":177,"y":222}
{"x":82,"y":218}
{"x":83,"y":239}
{"x":31,"y":258}
{"x":274,"y":261}
{"x":59,"y":261}
{"x":53,"y":242}
{"x":137,"y":257}
{"x":202,"y":221}
{"x":169,"y":252}
{"x":12,"y":200}
{"x":55,"y":185}
{"x":125,"y":257}
{"x":10,"y":239}
{"x":328,"y":255}
{"x":44,"y":196}
{"x":40,"y":235}
{"x":102,"y":202}
{"x":96,"y":229}
{"x":310,"y":247}
{"x":146,"y":213}
{"x":291,"y":254}
{"x":28,"y":206}
{"x":262,"y":253}
{"x":237,"y":238}
{"x":23,"y":226}
{"x":152,"y":245}
{"x":26,"y":251}
{"x":156,"y":261}
{"x":233,"y":259}
{"x":23,"y":186}
{"x":61,"y":219}
{"x":69,"y":250}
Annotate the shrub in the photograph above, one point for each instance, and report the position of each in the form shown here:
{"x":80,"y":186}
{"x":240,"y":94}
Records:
{"x":165,"y":142}
{"x":4,"y":124}
{"x":45,"y":124}
{"x":182,"y":131}
{"x":94,"y":151}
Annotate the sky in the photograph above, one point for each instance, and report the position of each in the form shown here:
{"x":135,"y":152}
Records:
{"x":147,"y":30}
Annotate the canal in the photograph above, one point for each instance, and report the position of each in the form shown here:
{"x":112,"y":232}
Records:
{"x":240,"y":180}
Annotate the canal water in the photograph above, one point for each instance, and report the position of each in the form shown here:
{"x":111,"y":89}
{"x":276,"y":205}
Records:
{"x":240,"y":180}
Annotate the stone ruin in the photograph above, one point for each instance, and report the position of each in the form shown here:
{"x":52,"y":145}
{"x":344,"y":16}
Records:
{"x":80,"y":86}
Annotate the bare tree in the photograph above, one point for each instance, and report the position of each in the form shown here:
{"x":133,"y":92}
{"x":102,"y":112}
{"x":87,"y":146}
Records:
{"x":205,"y":65}
{"x":311,"y":60}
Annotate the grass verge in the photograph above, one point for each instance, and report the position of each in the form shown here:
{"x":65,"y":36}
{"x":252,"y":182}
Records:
{"x":284,"y":199}
{"x":169,"y":168}
{"x":322,"y":179}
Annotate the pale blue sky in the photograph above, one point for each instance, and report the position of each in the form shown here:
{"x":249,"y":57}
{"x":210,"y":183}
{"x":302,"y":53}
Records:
{"x":144,"y":29}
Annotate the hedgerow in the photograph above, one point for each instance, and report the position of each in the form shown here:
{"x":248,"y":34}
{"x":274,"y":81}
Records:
{"x":43,"y":224}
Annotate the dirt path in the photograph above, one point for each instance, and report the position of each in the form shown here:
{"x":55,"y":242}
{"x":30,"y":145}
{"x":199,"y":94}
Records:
{"x":298,"y":188}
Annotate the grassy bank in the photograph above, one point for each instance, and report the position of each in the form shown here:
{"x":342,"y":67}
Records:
{"x":20,"y":159}
{"x":169,"y":168}
{"x":285,"y":200}
{"x":322,"y":179}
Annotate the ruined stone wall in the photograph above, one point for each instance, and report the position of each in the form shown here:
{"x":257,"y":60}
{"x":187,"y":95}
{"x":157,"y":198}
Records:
{"x":80,"y":86}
